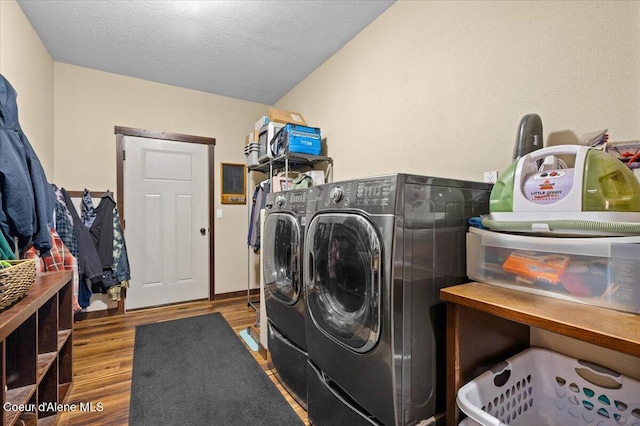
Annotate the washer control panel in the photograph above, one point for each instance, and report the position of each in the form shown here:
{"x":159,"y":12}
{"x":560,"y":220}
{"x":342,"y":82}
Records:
{"x":369,"y":194}
{"x":373,"y":192}
{"x":295,"y":201}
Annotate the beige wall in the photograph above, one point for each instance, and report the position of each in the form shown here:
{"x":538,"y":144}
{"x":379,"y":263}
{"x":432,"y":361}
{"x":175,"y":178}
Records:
{"x":26,"y":63}
{"x":88,"y":104}
{"x":439,"y":88}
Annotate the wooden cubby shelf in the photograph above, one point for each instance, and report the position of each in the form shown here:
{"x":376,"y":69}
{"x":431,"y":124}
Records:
{"x":36,"y":338}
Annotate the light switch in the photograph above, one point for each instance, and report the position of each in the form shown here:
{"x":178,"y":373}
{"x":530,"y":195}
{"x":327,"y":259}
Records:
{"x":218,"y":213}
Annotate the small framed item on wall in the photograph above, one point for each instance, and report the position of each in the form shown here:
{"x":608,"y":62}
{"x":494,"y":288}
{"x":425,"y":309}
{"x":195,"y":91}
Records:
{"x":233,"y":184}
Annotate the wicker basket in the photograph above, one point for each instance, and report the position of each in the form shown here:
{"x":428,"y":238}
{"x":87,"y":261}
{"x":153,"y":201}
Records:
{"x":16,"y":280}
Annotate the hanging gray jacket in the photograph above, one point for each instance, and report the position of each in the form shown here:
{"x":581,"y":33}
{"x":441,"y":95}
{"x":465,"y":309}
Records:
{"x":28,"y":201}
{"x":89,"y":265}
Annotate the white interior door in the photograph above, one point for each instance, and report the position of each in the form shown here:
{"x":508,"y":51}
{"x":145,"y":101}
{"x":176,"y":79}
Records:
{"x":166,"y":208}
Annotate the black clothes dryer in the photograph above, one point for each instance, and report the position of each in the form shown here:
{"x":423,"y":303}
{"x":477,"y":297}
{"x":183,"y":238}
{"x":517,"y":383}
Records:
{"x":377,"y":252}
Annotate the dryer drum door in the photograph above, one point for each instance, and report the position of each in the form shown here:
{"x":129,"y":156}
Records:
{"x":282,"y":264}
{"x":343,"y":279}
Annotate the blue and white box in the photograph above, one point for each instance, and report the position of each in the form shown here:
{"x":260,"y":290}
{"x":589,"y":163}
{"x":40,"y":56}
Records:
{"x":300,"y":139}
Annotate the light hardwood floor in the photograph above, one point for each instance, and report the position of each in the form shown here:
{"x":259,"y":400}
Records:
{"x":103,"y":358}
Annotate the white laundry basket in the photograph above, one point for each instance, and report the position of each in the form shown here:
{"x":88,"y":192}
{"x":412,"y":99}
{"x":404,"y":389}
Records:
{"x":539,"y":387}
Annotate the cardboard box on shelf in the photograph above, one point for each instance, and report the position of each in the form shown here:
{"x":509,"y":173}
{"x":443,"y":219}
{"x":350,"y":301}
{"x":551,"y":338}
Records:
{"x":282,"y":116}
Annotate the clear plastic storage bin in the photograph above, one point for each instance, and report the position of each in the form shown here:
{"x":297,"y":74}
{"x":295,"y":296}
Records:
{"x":597,"y":271}
{"x":539,"y":387}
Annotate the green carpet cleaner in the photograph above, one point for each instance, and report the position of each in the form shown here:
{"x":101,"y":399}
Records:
{"x":598,"y":196}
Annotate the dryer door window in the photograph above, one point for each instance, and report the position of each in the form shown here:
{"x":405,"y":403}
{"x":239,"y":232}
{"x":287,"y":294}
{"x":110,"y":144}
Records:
{"x":282,"y":265}
{"x":343,"y":279}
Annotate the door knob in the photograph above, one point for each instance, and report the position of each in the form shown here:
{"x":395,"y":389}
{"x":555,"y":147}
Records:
{"x":203,"y":231}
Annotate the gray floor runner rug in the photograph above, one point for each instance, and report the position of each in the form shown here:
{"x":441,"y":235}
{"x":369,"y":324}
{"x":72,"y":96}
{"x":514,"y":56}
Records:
{"x":196,"y":371}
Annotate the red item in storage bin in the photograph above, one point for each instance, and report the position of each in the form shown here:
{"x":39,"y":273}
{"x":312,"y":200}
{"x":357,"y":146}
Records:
{"x":539,"y":387}
{"x":544,"y":267}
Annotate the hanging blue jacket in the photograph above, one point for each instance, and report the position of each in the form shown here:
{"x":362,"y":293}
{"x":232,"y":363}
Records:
{"x":259,"y":199}
{"x":27,"y":198}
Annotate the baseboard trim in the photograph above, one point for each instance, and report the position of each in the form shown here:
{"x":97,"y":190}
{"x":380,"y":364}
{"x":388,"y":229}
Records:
{"x":80,"y":316}
{"x":232,"y":294}
{"x":104,"y":313}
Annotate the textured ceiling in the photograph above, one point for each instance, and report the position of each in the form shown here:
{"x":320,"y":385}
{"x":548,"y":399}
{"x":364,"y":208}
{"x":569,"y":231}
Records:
{"x":250,"y":50}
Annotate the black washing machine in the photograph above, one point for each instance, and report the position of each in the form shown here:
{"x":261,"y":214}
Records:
{"x":282,"y":244}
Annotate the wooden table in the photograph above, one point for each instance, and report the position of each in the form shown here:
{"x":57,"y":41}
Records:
{"x":487,"y":324}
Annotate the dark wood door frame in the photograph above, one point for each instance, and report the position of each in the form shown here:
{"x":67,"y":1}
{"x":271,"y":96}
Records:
{"x":121,"y":132}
